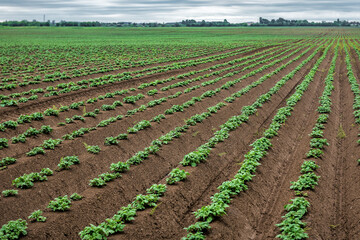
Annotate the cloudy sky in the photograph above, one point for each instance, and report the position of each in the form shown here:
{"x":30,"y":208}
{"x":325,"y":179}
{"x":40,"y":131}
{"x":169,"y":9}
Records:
{"x":176,"y":10}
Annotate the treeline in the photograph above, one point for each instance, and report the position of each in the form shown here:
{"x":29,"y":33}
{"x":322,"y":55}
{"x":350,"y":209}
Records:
{"x":284,"y":22}
{"x":184,"y":23}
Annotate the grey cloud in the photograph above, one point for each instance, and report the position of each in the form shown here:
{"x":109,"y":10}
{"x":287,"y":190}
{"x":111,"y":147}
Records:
{"x":172,"y":10}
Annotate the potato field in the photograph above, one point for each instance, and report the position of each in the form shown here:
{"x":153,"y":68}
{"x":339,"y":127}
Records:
{"x":180,"y":133}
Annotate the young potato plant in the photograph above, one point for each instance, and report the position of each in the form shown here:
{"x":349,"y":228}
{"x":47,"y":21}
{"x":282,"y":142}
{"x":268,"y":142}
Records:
{"x":292,"y":227}
{"x":305,"y":181}
{"x":93,"y":232}
{"x":35,"y":151}
{"x":314,"y":153}
{"x":176,"y":175}
{"x":157,"y":189}
{"x":103,"y":179}
{"x":13,"y":229}
{"x":51,"y":143}
{"x":3,"y":143}
{"x":196,"y":157}
{"x":158,"y":118}
{"x":111,"y":141}
{"x":119,"y":167}
{"x":7,"y":161}
{"x":27,"y":180}
{"x":76,"y":197}
{"x":10,"y":193}
{"x":139,"y":126}
{"x":318,"y":143}
{"x":152,"y":92}
{"x":92,"y":149}
{"x":66,"y":162}
{"x":133,"y":99}
{"x":36,"y":216}
{"x":60,"y":204}
{"x":308,"y":166}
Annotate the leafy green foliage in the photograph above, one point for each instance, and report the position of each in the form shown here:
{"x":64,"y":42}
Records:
{"x":176,"y":175}
{"x":13,"y":229}
{"x":209,"y":212}
{"x":92,"y":149}
{"x":305,"y":181}
{"x":35,"y":151}
{"x":103,"y":178}
{"x":36,"y":216}
{"x":126,"y":214}
{"x":143,"y":201}
{"x":318,"y":143}
{"x":157,"y":189}
{"x":27,"y":180}
{"x":308,"y":166}
{"x":60,"y":204}
{"x":66,"y":162}
{"x":76,"y":197}
{"x":139,"y":126}
{"x":292,"y":228}
{"x":7,"y":161}
{"x":51,"y":112}
{"x":3,"y":143}
{"x":314,"y":153}
{"x":119,"y":167}
{"x":93,"y":232}
{"x":10,"y":192}
{"x":51,"y":143}
{"x":195,"y":157}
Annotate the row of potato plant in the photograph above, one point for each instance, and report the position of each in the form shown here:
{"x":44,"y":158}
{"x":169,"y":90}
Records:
{"x":292,"y":227}
{"x":355,"y":87}
{"x":229,"y":189}
{"x":56,"y":76}
{"x":109,"y":79}
{"x":116,"y":224}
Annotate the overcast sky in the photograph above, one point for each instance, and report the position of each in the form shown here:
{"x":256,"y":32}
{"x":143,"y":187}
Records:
{"x":171,"y":10}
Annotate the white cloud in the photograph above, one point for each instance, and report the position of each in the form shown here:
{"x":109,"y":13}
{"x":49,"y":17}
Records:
{"x":172,"y":10}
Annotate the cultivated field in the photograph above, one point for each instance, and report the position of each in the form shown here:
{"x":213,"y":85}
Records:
{"x":171,"y":133}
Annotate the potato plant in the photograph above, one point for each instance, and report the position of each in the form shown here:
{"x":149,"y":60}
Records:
{"x":36,"y":216}
{"x":76,"y":197}
{"x":7,"y":161}
{"x":60,"y":204}
{"x":92,"y":149}
{"x":176,"y":175}
{"x":67,"y":161}
{"x":10,"y":193}
{"x":13,"y":229}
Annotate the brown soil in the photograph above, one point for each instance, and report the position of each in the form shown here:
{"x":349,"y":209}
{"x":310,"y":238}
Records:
{"x":335,"y":206}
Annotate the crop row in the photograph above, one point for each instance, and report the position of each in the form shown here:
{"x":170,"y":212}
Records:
{"x":229,"y":189}
{"x":292,"y":227}
{"x":8,"y":100}
{"x":92,"y":66}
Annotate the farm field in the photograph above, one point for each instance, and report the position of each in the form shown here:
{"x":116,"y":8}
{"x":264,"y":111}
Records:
{"x":179,"y":133}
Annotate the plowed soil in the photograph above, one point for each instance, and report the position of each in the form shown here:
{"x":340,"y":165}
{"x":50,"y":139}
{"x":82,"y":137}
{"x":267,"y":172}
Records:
{"x":335,"y":203}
